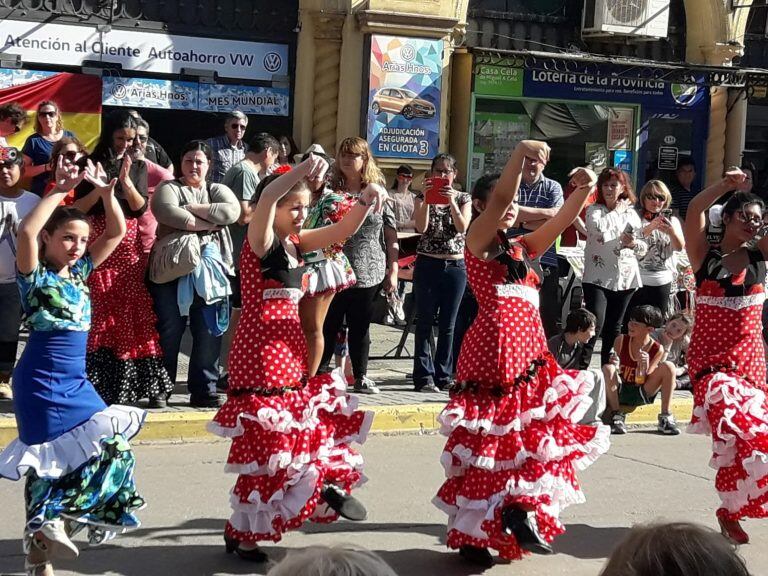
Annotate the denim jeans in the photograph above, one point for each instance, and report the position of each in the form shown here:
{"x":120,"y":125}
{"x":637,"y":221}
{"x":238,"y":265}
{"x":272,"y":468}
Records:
{"x":438,"y":286}
{"x":204,"y":359}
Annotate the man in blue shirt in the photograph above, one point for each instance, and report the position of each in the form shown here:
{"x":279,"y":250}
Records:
{"x":540,"y":199}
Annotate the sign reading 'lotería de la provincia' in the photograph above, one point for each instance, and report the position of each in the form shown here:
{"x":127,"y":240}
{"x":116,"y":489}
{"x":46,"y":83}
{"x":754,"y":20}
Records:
{"x":142,"y":51}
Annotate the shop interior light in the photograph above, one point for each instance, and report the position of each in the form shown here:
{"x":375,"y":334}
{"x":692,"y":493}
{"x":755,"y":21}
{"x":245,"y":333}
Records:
{"x":100,"y":68}
{"x":202,"y":75}
{"x":10,"y":60}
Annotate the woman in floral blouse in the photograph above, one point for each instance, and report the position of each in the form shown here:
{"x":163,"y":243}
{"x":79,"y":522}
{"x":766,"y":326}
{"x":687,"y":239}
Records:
{"x":611,"y":271}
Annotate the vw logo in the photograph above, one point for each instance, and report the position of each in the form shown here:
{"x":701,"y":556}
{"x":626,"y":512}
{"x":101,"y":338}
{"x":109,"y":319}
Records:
{"x":119,"y":91}
{"x":272,"y":62}
{"x":407,"y":53}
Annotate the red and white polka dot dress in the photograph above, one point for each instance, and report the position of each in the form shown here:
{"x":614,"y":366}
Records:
{"x":124,"y":359}
{"x":512,"y":426}
{"x":726,"y":359}
{"x":289,"y":435}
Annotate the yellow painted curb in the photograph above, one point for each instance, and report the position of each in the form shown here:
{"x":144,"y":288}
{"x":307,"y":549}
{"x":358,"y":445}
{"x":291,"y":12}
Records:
{"x":189,"y":426}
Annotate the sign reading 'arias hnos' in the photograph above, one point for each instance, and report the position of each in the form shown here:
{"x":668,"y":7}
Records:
{"x":403,"y":118}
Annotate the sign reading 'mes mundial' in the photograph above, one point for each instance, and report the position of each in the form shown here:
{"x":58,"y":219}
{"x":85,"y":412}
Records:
{"x":403,"y":119}
{"x":142,"y":51}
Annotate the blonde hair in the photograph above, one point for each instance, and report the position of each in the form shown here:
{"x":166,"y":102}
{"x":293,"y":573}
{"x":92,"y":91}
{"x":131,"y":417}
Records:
{"x":660,"y":188}
{"x":59,"y":124}
{"x":370,"y":174}
{"x":678,"y":548}
{"x":336,"y":561}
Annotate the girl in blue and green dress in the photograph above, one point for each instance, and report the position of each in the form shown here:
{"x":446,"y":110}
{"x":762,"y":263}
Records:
{"x":72,"y":449}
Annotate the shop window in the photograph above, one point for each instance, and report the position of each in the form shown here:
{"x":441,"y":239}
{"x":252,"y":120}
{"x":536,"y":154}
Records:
{"x":577,"y":132}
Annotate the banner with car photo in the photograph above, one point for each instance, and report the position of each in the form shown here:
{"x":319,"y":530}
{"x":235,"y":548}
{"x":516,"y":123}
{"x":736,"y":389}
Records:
{"x":404,"y":97}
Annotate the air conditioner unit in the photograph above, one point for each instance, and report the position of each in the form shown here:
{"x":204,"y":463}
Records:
{"x":636,"y":18}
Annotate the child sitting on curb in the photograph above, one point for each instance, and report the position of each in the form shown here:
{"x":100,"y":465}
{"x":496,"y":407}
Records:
{"x":675,"y":336}
{"x":637,"y":372}
{"x":567,"y":349}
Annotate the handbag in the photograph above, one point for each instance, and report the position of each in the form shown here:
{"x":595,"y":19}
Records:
{"x":173,"y":256}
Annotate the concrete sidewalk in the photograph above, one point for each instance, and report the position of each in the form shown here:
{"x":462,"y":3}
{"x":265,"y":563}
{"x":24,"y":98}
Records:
{"x":397,"y":408}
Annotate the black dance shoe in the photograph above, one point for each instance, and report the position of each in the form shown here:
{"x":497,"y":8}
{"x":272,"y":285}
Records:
{"x":255,"y":555}
{"x":522,"y":525}
{"x":478,"y":556}
{"x":343,"y":504}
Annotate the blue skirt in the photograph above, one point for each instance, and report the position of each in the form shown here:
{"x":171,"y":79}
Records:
{"x":51,"y":391}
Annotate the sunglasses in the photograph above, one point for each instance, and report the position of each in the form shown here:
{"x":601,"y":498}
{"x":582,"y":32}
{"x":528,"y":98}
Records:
{"x":655,"y":197}
{"x":756,"y":220}
{"x":238,"y":126}
{"x":406,"y":176}
{"x":51,"y":113}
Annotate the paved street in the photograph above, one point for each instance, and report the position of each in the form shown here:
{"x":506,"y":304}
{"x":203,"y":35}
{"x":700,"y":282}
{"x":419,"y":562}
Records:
{"x":644,"y":477}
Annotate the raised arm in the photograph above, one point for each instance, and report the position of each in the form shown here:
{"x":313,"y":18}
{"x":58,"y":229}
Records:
{"x":482,"y":233}
{"x":373,"y":197}
{"x":115,"y":227}
{"x":545,"y":235}
{"x":260,"y":228}
{"x":695,"y":228}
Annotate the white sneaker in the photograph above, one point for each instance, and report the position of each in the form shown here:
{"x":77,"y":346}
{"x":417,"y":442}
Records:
{"x":6,"y":393}
{"x":366,"y":386}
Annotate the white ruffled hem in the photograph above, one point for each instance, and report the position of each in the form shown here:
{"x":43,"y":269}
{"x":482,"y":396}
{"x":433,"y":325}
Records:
{"x":71,"y":450}
{"x":452,"y":418}
{"x":547,"y":451}
{"x":468,"y":516}
{"x":332,"y":399}
{"x":256,"y":517}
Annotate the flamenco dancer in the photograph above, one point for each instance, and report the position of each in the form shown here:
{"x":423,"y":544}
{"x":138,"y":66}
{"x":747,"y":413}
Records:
{"x":726,"y":359}
{"x":72,"y":449}
{"x":290,"y":433}
{"x":514,"y":442}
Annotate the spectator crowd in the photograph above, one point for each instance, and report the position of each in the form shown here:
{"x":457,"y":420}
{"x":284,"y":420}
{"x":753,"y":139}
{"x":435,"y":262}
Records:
{"x":179,"y":264}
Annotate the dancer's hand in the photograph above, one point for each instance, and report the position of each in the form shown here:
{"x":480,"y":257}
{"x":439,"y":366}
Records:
{"x":67,"y":176}
{"x":536,"y":150}
{"x":374,"y":195}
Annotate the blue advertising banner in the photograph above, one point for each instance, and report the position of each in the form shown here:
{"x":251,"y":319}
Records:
{"x":149,"y":93}
{"x":247,"y":99}
{"x":596,"y":82}
{"x":404,"y":97}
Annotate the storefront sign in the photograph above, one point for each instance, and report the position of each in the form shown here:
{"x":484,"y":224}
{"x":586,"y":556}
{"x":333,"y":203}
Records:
{"x":404,"y":97}
{"x":667,"y":158}
{"x":149,"y":93}
{"x":624,"y":161}
{"x":145,"y":51}
{"x":595,"y":82}
{"x":247,"y":99}
{"x":499,"y":81}
{"x":621,"y":122}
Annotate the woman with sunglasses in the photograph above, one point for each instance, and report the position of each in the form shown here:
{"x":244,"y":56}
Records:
{"x":12,"y":120}
{"x":38,"y":147}
{"x":72,"y":152}
{"x":124,"y":355}
{"x":663,"y":234}
{"x":726,"y":358}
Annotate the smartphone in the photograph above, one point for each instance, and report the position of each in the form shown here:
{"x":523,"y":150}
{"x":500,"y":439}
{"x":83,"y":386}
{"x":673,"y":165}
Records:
{"x":667,"y":213}
{"x":434,"y":194}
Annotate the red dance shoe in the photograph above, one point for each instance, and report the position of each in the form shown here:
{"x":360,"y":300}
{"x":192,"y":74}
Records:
{"x":733,"y":531}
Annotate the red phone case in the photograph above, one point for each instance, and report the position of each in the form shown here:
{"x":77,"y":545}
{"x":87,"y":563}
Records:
{"x":433,"y":195}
